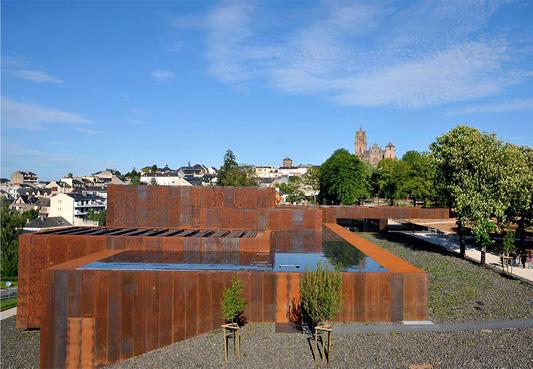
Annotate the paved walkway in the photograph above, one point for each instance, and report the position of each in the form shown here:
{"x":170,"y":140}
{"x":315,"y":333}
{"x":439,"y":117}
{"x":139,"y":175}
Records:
{"x":442,"y":327}
{"x":450,"y":243}
{"x":8,"y":313}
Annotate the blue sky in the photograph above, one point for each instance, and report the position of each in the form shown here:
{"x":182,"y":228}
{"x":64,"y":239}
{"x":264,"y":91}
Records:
{"x":90,"y":85}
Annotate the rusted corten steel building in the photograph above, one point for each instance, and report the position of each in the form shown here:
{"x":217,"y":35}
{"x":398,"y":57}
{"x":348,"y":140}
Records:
{"x":155,"y":275}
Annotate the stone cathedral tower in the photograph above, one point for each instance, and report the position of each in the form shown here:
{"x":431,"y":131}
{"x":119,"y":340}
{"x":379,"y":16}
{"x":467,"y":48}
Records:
{"x":360,"y":142}
{"x":375,"y":154}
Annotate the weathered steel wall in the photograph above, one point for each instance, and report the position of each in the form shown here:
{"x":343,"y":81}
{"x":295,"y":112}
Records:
{"x":332,"y":213}
{"x":139,"y":311}
{"x":40,"y":251}
{"x":132,"y":312}
{"x":228,"y":207}
{"x":177,"y":206}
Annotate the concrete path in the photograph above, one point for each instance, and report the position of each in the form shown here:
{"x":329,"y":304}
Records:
{"x":443,"y":327}
{"x":450,"y":243}
{"x":8,"y":313}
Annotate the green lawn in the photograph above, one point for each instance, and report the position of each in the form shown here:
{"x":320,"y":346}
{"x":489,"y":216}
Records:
{"x":8,"y":303}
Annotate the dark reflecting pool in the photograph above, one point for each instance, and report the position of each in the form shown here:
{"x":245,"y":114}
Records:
{"x":334,"y":251}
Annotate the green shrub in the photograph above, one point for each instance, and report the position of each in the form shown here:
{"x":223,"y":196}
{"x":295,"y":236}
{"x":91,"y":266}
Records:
{"x":232,"y":302}
{"x":321,"y":294}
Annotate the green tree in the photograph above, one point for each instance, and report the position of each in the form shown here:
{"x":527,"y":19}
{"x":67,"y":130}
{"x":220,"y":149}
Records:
{"x":231,"y":174}
{"x":343,"y":179}
{"x":471,"y":166}
{"x":293,"y":189}
{"x":99,"y":217}
{"x":517,"y":188}
{"x":390,"y":178}
{"x":153,"y":182}
{"x":311,"y":180}
{"x":419,"y":182}
{"x":134,"y":177}
{"x":12,"y":224}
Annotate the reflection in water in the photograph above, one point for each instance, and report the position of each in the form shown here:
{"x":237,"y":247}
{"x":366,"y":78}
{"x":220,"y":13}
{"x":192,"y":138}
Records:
{"x":335,"y":252}
{"x":343,"y":255}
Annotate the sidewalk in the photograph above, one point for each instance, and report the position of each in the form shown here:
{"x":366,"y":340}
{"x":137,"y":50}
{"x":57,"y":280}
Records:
{"x":450,"y":243}
{"x":8,"y":313}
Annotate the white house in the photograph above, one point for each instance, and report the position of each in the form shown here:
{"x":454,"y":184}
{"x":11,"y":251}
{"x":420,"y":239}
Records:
{"x":74,"y":207}
{"x":164,"y":179}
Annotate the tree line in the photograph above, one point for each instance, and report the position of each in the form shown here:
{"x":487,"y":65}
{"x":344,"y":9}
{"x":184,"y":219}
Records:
{"x":487,"y":182}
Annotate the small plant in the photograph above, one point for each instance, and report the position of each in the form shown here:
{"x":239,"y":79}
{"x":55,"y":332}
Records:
{"x":321,"y":294}
{"x":232,"y":302}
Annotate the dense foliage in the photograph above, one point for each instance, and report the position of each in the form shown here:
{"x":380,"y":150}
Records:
{"x":294,"y":189}
{"x":233,"y":174}
{"x":232,"y":302}
{"x":12,"y":224}
{"x":321,"y":294}
{"x":134,"y":177}
{"x":484,"y":179}
{"x":343,"y":179}
{"x":98,"y":216}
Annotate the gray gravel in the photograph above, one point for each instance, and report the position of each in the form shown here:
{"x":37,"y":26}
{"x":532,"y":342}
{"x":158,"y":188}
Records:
{"x":19,"y":349}
{"x":262,"y":348}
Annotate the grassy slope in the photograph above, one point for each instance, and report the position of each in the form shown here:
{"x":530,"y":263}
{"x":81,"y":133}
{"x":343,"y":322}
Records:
{"x":458,"y":289}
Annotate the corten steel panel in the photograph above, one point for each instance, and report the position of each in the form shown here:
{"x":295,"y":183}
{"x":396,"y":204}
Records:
{"x":101,"y":315}
{"x":80,"y":337}
{"x":140,"y":301}
{"x":164,"y":206}
{"x":204,"y":302}
{"x":330,"y":214}
{"x":217,"y":292}
{"x":190,"y":280}
{"x":415,"y":301}
{"x":346,"y":313}
{"x":165,"y":309}
{"x":178,"y":307}
{"x":114,"y":310}
{"x":152,"y":325}
{"x":128,"y":288}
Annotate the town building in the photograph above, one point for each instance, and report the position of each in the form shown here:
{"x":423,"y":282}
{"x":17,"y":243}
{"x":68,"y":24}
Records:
{"x":375,"y":154}
{"x":74,"y":207}
{"x":21,"y":177}
{"x":42,"y":223}
{"x":171,"y":178}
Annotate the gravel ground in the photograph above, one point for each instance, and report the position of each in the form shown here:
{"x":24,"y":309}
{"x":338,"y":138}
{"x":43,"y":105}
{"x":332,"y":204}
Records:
{"x":460,"y":290}
{"x":262,"y":348}
{"x":19,"y":349}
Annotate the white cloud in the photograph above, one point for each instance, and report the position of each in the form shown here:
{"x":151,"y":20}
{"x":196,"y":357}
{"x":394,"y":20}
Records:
{"x":28,"y":116}
{"x":515,"y":105}
{"x":420,"y":55}
{"x":163,"y":75}
{"x":36,"y":76}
